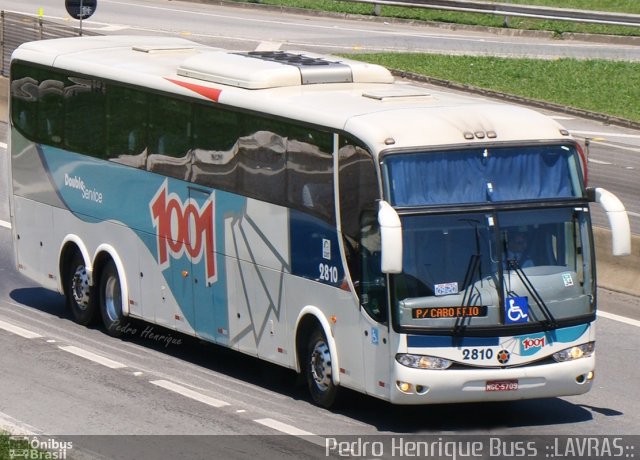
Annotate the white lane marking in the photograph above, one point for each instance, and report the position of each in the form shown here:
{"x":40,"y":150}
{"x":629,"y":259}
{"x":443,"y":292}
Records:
{"x":599,"y":162}
{"x":268,"y":46}
{"x":3,"y":145}
{"x":292,"y":430}
{"x":558,"y":117}
{"x":634,"y":214}
{"x":18,"y":330}
{"x":609,"y":134}
{"x":283,"y":427}
{"x":622,"y":319}
{"x":92,"y":357}
{"x":5,"y":224}
{"x":184,"y":391}
{"x":615,"y":146}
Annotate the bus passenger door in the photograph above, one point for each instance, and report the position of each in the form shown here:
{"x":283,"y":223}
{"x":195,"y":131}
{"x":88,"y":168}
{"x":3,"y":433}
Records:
{"x":200,"y":217}
{"x":374,"y":311}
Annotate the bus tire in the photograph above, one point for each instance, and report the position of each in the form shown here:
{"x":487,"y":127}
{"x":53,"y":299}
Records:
{"x":78,"y":291}
{"x":318,"y":370}
{"x":110,"y":299}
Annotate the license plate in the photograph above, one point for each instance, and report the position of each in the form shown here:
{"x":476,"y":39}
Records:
{"x":501,"y":385}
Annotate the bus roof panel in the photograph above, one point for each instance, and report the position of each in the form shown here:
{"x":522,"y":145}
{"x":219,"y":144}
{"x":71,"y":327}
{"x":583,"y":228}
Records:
{"x":361,"y":98}
{"x":470,"y":123}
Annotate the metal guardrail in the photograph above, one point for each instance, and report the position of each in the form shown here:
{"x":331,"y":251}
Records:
{"x":509,"y":10}
{"x":16,"y":29}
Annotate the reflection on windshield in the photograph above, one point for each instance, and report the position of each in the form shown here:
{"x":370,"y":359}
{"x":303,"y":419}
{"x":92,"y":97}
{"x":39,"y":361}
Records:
{"x":479,"y":269}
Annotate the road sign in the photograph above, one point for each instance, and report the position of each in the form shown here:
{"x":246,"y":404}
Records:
{"x":80,"y":9}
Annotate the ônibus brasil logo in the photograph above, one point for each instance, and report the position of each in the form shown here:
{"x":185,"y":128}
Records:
{"x":184,"y":228}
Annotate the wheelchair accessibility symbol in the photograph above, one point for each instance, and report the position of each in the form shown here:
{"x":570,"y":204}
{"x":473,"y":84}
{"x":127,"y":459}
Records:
{"x":516,"y":310}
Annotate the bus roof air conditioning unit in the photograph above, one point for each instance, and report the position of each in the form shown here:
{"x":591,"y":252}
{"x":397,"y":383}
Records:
{"x":273,"y":69}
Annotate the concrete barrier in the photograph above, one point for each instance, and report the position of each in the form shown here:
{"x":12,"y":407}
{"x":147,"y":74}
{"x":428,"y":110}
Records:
{"x":4,"y":94}
{"x":615,"y":273}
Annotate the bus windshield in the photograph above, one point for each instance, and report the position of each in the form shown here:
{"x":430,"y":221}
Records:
{"x":486,"y":270}
{"x":529,"y":266}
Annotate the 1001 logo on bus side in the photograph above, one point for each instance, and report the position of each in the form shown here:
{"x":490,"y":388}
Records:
{"x":184,"y":228}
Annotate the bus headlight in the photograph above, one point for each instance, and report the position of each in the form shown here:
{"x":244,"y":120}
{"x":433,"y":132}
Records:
{"x":422,"y":362}
{"x":577,"y":352}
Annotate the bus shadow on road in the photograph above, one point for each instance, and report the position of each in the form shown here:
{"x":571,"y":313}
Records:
{"x":543,"y":416}
{"x":43,"y":300}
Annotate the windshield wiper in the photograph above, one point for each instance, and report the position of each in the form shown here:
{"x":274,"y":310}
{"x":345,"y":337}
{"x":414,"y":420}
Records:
{"x":512,"y":264}
{"x":473,"y":268}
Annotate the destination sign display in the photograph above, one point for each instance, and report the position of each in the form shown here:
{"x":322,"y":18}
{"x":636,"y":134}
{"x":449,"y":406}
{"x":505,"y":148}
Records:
{"x":449,"y":312}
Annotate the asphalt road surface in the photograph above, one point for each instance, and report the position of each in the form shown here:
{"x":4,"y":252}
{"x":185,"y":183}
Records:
{"x":246,"y":28}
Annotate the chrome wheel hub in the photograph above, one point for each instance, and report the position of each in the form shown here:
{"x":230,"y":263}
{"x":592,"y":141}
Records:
{"x":80,"y":288}
{"x":112,"y":298}
{"x":321,"y":365}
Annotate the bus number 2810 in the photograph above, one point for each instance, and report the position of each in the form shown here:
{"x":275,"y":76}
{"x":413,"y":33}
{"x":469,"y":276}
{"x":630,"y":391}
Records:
{"x":477,"y":353}
{"x":328,"y":273}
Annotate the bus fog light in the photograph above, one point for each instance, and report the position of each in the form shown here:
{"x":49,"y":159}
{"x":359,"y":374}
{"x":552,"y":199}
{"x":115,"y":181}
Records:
{"x":422,"y":390}
{"x":422,"y":362}
{"x":404,"y":387}
{"x":585,"y":378}
{"x":577,"y":352}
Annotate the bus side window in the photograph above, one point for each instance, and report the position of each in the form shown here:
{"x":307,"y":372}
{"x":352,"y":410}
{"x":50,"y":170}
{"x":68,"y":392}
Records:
{"x":169,"y":126}
{"x":310,"y":179}
{"x":215,"y":146}
{"x":373,"y":293}
{"x":127,"y":125}
{"x":85,"y":103}
{"x":24,"y":100}
{"x":358,"y":195}
{"x":170,"y":137}
{"x":51,"y":109}
{"x":261,"y":172}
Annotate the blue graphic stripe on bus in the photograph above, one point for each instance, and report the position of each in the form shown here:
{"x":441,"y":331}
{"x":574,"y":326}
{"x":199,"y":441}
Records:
{"x":439,"y":341}
{"x":160,"y":211}
{"x":529,"y":343}
{"x":315,"y":253}
{"x":568,"y":334}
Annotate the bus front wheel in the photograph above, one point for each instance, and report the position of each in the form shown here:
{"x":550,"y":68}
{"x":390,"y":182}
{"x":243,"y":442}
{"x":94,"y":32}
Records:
{"x":318,"y":370}
{"x":110,"y":296}
{"x":79,"y":292}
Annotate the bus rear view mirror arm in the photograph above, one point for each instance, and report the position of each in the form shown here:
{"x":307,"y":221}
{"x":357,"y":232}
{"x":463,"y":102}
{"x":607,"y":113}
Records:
{"x":618,"y":220}
{"x":390,"y":238}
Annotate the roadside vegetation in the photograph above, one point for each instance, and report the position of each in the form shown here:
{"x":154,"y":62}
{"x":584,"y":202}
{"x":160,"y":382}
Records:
{"x":487,"y":20}
{"x":609,"y":87}
{"x":11,"y":448}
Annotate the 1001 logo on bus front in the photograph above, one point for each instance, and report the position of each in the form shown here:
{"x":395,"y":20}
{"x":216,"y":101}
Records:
{"x":184,"y":228}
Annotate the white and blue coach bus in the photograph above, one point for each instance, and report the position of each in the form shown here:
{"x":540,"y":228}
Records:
{"x":418,"y":246}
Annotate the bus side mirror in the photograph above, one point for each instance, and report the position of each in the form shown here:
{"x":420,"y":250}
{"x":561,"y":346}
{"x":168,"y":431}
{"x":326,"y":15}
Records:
{"x":618,"y":220}
{"x":390,"y":238}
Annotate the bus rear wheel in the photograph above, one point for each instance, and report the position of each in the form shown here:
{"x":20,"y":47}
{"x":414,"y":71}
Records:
{"x":110,"y":298}
{"x":318,"y":370}
{"x":78,"y":292}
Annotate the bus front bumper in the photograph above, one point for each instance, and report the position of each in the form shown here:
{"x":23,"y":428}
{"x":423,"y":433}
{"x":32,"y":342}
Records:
{"x":423,"y":386}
